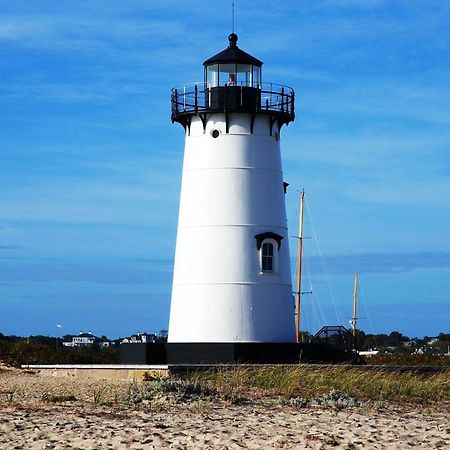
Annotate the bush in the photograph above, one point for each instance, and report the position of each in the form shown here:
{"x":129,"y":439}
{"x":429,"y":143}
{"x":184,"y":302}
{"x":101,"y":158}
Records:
{"x":180,"y":390}
{"x":21,"y":352}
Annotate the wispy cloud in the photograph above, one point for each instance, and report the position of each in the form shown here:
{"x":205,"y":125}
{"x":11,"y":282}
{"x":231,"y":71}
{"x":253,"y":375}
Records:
{"x":59,"y":92}
{"x":378,"y":262}
{"x":386,"y":101}
{"x":112,"y":275}
{"x":80,"y":32}
{"x":121,"y":189}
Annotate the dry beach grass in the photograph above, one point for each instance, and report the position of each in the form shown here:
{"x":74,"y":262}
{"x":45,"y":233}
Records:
{"x":264,"y":408}
{"x":308,"y":382}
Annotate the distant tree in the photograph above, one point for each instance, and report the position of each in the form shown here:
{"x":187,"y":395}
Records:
{"x":19,"y":352}
{"x":396,"y":338}
{"x":162,"y":336}
{"x":39,"y":339}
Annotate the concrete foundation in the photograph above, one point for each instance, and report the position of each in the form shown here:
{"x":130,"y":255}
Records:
{"x":122,"y":372}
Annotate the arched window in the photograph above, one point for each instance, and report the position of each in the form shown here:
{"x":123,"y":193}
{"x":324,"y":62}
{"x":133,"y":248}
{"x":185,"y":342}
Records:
{"x":267,"y":257}
{"x":268,"y":245}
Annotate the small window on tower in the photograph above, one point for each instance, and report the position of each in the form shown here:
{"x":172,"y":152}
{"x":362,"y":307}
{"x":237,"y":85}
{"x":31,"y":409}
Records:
{"x":268,"y":245}
{"x":267,"y":257}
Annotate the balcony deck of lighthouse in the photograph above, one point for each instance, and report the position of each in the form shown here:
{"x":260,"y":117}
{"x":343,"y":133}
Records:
{"x":232,"y":281}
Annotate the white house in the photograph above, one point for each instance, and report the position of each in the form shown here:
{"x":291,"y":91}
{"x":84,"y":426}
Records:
{"x":139,"y":338}
{"x":82,"y":340}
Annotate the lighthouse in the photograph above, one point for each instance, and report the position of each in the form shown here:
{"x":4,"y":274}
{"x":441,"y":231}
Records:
{"x":232,"y":277}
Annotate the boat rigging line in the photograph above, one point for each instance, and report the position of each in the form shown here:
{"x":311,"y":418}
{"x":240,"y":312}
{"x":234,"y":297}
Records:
{"x":324,"y":269}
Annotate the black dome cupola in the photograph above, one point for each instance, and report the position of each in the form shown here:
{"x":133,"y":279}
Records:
{"x":233,"y":54}
{"x":232,"y":67}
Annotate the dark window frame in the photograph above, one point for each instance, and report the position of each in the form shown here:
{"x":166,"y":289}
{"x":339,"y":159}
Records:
{"x":267,"y":257}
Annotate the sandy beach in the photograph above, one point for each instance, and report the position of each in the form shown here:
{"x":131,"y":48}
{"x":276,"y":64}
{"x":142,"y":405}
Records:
{"x":39,"y":411}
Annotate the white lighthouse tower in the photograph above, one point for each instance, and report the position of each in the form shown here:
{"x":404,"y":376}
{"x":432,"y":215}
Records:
{"x":232,"y":278}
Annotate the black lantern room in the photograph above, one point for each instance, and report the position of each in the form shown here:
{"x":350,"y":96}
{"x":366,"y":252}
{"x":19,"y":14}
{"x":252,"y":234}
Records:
{"x":233,"y":84}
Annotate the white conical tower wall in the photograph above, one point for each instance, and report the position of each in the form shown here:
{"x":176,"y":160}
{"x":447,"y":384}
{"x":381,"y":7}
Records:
{"x":232,"y":190}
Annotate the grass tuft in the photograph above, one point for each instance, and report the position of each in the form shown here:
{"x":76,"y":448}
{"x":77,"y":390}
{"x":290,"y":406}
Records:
{"x":99,"y":395}
{"x":308,"y":383}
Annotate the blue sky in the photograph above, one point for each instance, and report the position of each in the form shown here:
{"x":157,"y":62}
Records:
{"x":90,"y":164}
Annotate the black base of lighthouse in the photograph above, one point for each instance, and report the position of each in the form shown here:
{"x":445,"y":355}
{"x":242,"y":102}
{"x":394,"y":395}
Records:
{"x":186,"y":354}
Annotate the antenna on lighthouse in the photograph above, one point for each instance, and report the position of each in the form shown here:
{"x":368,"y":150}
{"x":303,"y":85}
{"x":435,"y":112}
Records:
{"x":232,"y":17}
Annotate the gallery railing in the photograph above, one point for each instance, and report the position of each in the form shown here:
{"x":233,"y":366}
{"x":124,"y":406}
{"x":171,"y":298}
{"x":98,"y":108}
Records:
{"x":262,"y":97}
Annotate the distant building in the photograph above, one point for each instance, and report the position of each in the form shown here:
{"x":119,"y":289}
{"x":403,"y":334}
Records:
{"x":400,"y":350}
{"x":368,"y":353}
{"x":139,"y":338}
{"x":430,"y":351}
{"x":86,"y":340}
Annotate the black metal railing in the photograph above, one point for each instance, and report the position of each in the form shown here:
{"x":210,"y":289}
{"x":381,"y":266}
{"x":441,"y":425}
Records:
{"x":262,"y":97}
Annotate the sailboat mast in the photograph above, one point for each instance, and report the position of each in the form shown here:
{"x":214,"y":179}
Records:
{"x":299,"y":266}
{"x":355,"y":300}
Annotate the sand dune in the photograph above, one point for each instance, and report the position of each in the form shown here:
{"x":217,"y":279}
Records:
{"x":33,"y":416}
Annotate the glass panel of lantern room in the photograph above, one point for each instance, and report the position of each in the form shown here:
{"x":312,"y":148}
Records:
{"x":227,"y":74}
{"x":212,"y":75}
{"x":256,"y":80}
{"x":244,"y":72}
